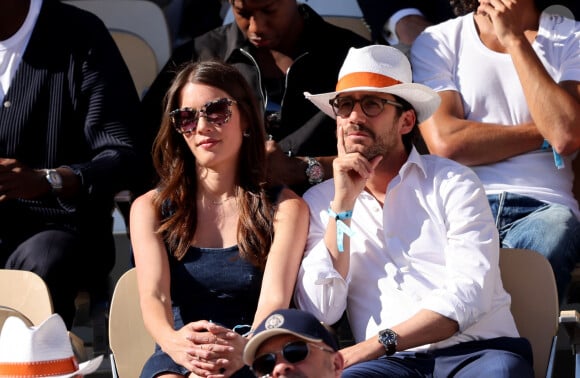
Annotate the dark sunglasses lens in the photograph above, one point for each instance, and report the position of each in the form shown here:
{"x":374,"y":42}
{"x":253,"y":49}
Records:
{"x":184,"y":120}
{"x":295,"y":352}
{"x":264,"y":364}
{"x":218,"y":112}
{"x":292,"y":352}
{"x":372,"y":106}
{"x":343,"y":106}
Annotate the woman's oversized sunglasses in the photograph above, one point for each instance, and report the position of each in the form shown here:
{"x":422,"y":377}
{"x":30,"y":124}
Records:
{"x":292,"y":352}
{"x":218,"y":112}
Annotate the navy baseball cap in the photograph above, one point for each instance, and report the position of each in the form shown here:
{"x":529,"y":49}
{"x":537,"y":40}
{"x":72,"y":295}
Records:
{"x":291,"y":321}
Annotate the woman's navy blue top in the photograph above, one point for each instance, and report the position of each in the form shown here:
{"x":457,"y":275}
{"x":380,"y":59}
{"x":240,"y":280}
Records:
{"x":214,"y":284}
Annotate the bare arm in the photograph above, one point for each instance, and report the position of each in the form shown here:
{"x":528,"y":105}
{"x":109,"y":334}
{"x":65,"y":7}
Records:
{"x":290,"y":231}
{"x":351,"y":172}
{"x":425,"y":327}
{"x":291,"y":170}
{"x":555,"y":108}
{"x":153,"y":275}
{"x":448,"y":134}
{"x":17,"y":180}
{"x":409,"y":27}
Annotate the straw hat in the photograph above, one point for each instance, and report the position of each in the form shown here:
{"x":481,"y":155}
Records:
{"x":382,"y":69}
{"x":40,"y":351}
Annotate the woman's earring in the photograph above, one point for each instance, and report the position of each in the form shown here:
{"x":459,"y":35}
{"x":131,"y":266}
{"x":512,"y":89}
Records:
{"x":246,"y":133}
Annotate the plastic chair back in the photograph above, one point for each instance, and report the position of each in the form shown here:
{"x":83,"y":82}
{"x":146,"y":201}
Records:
{"x":27,"y":293}
{"x":139,"y":57}
{"x":528,"y":277}
{"x":130,"y":343}
{"x":143,"y":18}
{"x":575,"y":279}
{"x":344,"y":13}
{"x":141,"y":32}
{"x":6,"y":312}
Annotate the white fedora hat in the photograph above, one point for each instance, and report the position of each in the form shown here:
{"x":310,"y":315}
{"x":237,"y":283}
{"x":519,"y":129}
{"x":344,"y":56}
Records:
{"x":40,"y":351}
{"x":383,"y":69}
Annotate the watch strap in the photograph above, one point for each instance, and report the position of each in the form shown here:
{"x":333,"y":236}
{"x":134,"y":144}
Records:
{"x":388,"y":338}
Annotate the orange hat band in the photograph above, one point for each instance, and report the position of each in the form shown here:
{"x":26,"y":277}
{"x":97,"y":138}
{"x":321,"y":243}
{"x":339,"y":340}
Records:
{"x":38,"y":368}
{"x":364,"y":79}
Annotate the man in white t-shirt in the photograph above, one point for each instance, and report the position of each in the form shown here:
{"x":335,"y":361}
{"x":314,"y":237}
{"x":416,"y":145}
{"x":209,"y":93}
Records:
{"x":509,"y":79}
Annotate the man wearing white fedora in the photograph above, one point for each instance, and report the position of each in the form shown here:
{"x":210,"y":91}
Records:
{"x":404,"y":242}
{"x":40,"y":351}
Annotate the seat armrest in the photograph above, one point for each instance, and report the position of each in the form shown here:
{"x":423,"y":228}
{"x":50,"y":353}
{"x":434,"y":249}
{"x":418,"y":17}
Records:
{"x":570,"y":320}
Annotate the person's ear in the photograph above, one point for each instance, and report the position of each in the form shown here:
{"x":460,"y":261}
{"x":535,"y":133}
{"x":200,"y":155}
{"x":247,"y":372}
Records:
{"x":407,"y":121}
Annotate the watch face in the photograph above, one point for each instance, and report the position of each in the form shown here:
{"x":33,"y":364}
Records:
{"x":54,"y":179}
{"x":314,"y":172}
{"x":388,"y":338}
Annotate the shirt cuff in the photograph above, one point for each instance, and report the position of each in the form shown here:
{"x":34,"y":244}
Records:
{"x":390,"y":28}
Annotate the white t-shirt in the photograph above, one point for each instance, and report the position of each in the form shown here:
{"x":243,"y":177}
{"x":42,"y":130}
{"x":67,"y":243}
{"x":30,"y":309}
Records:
{"x":451,"y":56}
{"x":12,"y":49}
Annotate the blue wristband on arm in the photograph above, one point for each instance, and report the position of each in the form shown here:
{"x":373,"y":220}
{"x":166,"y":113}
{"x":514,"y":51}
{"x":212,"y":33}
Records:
{"x":341,"y":227}
{"x":558,"y":161}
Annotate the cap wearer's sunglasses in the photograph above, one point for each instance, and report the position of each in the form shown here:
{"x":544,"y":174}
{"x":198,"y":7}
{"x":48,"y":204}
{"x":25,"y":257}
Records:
{"x":217,"y":112}
{"x":372,"y":106}
{"x":292,"y":352}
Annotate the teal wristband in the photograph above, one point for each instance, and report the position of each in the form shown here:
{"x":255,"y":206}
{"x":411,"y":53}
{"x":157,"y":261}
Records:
{"x":558,"y":161}
{"x":341,"y":227}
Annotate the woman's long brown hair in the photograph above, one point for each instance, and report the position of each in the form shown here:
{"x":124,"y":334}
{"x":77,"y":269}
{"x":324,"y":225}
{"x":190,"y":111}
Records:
{"x":178,"y":181}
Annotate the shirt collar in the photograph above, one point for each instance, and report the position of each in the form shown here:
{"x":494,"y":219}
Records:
{"x":414,"y":160}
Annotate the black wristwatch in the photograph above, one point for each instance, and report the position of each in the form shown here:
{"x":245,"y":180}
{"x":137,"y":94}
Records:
{"x":388,"y":338}
{"x":314,"y":171}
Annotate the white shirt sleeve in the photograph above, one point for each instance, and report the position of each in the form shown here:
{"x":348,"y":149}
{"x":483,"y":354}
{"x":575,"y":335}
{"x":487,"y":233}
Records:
{"x":320,"y":289}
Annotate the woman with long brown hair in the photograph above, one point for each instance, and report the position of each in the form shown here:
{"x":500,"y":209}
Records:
{"x":214,"y":249}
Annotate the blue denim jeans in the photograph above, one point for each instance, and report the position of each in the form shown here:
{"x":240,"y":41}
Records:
{"x":498,"y":357}
{"x":550,"y":229}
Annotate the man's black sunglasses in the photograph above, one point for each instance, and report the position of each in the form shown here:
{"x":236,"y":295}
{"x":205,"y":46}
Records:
{"x":292,"y":352}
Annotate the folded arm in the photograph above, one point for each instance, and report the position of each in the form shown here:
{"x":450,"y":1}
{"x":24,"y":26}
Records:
{"x":447,"y":133}
{"x":555,"y":107}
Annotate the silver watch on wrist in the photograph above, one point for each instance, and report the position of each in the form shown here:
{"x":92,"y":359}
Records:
{"x":314,"y":171}
{"x":54,"y":179}
{"x":388,"y":338}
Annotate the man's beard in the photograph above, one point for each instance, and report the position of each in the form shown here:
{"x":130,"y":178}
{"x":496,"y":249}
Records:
{"x":378,"y":147}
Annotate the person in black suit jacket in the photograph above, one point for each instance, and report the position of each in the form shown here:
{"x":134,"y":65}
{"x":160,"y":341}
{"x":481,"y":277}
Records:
{"x":68,"y":113}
